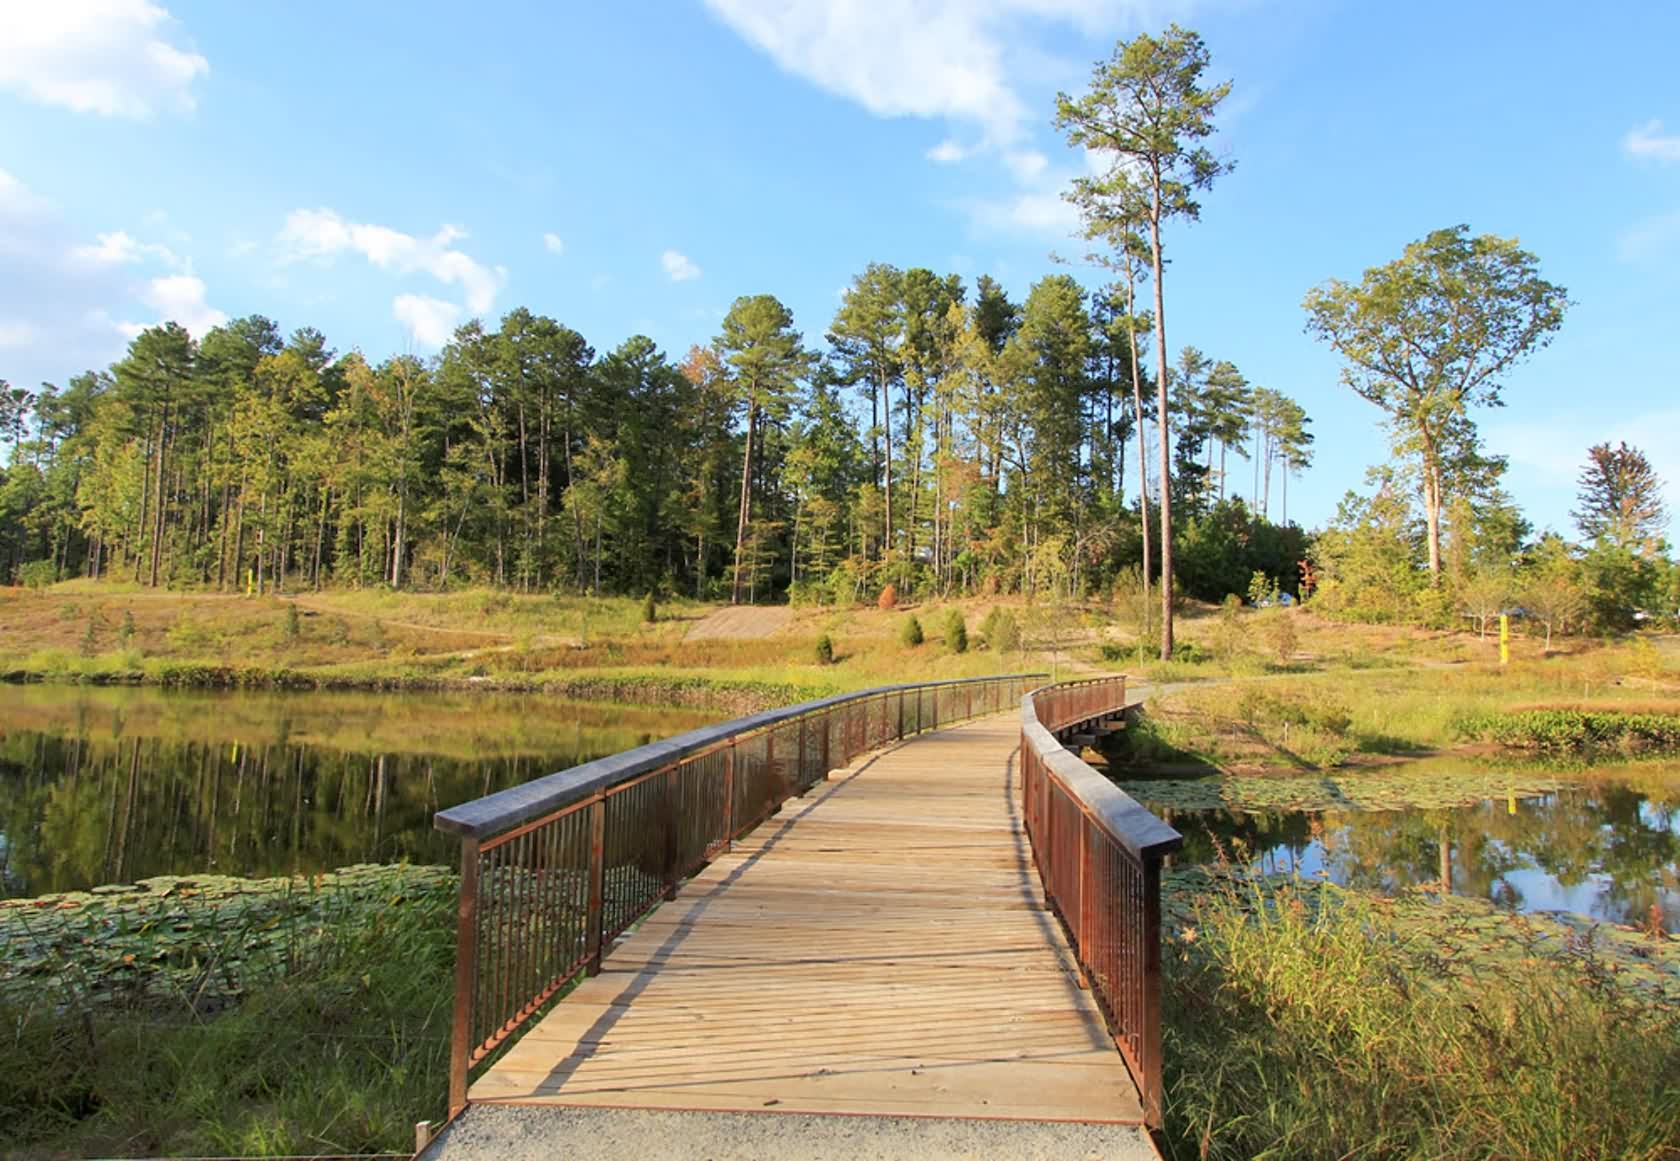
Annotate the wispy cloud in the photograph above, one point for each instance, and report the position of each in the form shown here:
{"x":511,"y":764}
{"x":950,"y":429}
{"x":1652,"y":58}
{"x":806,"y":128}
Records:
{"x":553,"y":244}
{"x":116,"y":58}
{"x":121,"y":249}
{"x":429,"y":321}
{"x":1648,"y":141}
{"x":1650,"y":238}
{"x":678,"y":266}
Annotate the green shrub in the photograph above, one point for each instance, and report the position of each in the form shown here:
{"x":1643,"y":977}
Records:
{"x":294,"y":627}
{"x":1280,"y":633}
{"x":956,"y":633}
{"x":825,"y":650}
{"x":1568,"y":730}
{"x":650,"y":610}
{"x":37,"y":574}
{"x":910,"y":631}
{"x":1001,"y":632}
{"x":90,"y":638}
{"x":125,"y":631}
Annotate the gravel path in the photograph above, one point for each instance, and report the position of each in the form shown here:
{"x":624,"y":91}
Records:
{"x":538,"y":1133}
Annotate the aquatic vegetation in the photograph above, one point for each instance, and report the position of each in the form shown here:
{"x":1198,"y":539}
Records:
{"x":1305,"y":1021}
{"x":1419,"y":786}
{"x":1575,"y":730}
{"x":196,"y":1016}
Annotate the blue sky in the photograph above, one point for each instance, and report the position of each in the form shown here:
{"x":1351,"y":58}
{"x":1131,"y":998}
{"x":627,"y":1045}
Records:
{"x":383,"y":171}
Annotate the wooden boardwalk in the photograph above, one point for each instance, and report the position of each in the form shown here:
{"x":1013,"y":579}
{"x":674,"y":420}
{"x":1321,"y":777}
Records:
{"x":844,"y":959}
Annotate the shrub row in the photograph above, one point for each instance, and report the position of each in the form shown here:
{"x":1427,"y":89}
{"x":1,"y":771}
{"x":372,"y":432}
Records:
{"x":1567,"y":730}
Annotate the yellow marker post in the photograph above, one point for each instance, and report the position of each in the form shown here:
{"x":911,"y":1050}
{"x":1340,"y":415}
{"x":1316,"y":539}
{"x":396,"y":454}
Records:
{"x":250,"y":580}
{"x":1504,"y":639}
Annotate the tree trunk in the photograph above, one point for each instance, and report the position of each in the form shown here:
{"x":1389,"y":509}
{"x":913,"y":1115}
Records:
{"x":158,"y":506}
{"x":1162,"y":431}
{"x":1142,"y":443}
{"x":886,"y":428}
{"x":744,"y":514}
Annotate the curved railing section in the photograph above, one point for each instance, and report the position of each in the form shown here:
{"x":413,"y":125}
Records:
{"x":555,"y":869}
{"x":1099,"y":856}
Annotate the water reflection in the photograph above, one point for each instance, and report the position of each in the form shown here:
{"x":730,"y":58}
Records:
{"x":101,"y":785}
{"x":1609,"y":851}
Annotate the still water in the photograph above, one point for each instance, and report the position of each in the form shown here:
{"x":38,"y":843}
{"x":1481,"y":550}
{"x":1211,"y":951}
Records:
{"x":1609,"y":850}
{"x":113,"y":785}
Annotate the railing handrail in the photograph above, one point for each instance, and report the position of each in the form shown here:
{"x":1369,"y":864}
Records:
{"x":1099,"y":855}
{"x":1127,"y":821}
{"x":505,"y":809}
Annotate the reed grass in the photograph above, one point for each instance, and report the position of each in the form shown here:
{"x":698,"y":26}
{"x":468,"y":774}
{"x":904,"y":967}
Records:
{"x":1304,"y":1021}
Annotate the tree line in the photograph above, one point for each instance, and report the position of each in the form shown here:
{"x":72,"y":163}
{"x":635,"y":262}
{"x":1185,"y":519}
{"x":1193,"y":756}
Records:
{"x":940,"y":440}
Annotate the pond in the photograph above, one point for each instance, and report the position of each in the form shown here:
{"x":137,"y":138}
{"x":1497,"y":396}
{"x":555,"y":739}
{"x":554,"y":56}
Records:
{"x":114,"y":785}
{"x":1604,"y":844}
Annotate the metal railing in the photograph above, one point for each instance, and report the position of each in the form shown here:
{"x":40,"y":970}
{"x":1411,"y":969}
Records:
{"x":554,"y":870}
{"x":1099,"y":856}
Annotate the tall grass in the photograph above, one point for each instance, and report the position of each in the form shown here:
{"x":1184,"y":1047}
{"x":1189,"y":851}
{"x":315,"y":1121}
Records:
{"x":1307,"y":1022}
{"x":294,"y":1020}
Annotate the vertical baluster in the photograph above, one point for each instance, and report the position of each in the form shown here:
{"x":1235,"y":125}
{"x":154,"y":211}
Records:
{"x":597,"y":873}
{"x":466,"y":976}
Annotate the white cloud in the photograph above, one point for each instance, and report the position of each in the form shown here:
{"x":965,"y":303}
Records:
{"x":117,"y":58}
{"x":1040,"y":212}
{"x":1650,"y":238}
{"x":16,"y":333}
{"x":947,"y":152}
{"x":1026,"y":164}
{"x":178,"y":298}
{"x":950,"y":59}
{"x":1649,"y":140}
{"x":553,"y":244}
{"x":430,"y":321}
{"x":121,"y":249}
{"x":679,"y":266}
{"x":61,"y":299}
{"x":323,"y":234}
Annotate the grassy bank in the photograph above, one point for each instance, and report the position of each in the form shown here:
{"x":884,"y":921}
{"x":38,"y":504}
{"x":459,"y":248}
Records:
{"x":1298,"y":722}
{"x":1305,"y":1021}
{"x":571,"y":646}
{"x":211,"y":1016}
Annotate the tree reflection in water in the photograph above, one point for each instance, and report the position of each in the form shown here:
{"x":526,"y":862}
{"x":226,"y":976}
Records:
{"x":110,"y":785}
{"x":1607,"y":851}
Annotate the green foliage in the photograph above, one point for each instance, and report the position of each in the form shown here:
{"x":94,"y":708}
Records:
{"x":1574,"y":730}
{"x":37,"y":574}
{"x":956,"y":632}
{"x":650,"y":610}
{"x":294,"y":626}
{"x":910,"y":631}
{"x":156,"y":1012}
{"x":1296,"y":1013}
{"x":90,"y":638}
{"x":1429,"y":336}
{"x":1001,"y":631}
{"x":1262,"y":589}
{"x":125,"y":630}
{"x":1220,"y":550}
{"x":825,"y":650}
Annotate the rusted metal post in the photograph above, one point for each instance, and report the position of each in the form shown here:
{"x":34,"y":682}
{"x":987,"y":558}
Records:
{"x":1084,"y":908}
{"x":673,"y":841}
{"x":729,"y":796}
{"x":1149,"y":1036}
{"x":593,"y":917}
{"x":466,"y":977}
